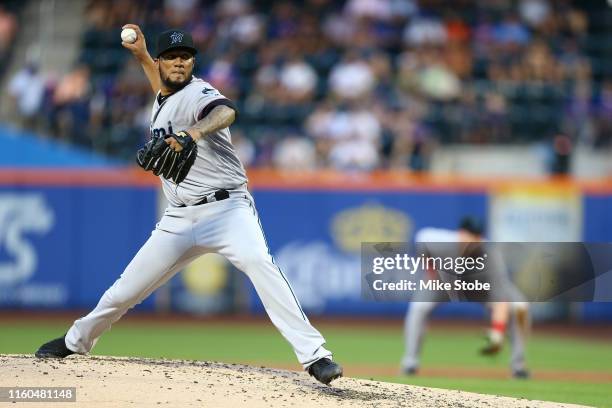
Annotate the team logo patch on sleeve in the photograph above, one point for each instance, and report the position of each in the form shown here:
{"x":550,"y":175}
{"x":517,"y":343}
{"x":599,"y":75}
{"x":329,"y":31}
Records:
{"x":210,"y":91}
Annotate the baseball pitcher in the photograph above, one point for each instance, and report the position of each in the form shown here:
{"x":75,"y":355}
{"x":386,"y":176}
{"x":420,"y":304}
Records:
{"x":210,"y":209}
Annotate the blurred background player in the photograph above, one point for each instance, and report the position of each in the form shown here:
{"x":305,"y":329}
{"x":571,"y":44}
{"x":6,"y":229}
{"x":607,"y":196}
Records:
{"x":515,"y":313}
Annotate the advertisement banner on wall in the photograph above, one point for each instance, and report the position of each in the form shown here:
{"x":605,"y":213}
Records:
{"x":316,"y":238}
{"x":314,"y":235}
{"x":62,"y":247}
{"x":523,"y":213}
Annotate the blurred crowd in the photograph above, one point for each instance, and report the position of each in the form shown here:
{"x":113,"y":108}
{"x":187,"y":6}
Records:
{"x":355,"y":84}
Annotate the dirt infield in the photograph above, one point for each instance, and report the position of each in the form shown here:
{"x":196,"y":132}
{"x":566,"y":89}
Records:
{"x":135,"y":382}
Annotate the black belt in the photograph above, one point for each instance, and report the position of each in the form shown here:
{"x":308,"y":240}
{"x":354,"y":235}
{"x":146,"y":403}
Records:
{"x":219,"y":195}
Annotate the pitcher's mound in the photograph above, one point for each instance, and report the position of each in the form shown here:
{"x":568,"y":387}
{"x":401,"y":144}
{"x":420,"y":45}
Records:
{"x":140,"y":382}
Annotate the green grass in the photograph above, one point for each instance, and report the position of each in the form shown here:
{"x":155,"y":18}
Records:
{"x":589,"y":394}
{"x":359,"y":346}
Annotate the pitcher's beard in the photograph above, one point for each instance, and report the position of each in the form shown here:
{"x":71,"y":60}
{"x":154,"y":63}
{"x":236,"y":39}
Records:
{"x":174,"y":85}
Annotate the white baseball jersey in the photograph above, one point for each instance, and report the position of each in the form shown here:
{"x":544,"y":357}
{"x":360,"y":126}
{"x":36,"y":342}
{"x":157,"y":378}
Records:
{"x":437,"y":242}
{"x":445,"y":243}
{"x":217,"y":166}
{"x":436,"y":235}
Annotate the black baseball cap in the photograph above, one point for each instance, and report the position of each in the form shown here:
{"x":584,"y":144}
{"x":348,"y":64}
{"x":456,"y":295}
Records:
{"x":174,"y":38}
{"x":472,"y":225}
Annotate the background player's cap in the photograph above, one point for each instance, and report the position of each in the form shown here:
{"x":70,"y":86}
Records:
{"x":174,"y":38}
{"x":472,"y":225}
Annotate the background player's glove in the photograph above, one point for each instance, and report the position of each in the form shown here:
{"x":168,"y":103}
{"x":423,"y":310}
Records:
{"x":495,"y":342}
{"x":157,"y":156}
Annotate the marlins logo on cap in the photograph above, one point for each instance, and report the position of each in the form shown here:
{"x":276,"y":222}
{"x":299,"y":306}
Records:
{"x":174,"y":38}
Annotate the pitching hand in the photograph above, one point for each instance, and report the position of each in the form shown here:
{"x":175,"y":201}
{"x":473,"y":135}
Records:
{"x":138,"y":47}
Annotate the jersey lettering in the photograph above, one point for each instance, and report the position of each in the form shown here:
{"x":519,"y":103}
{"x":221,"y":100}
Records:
{"x":161,"y":132}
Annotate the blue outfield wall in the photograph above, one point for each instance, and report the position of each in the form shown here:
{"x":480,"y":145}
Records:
{"x":309,"y":233}
{"x":315,"y":237}
{"x":62,"y":246}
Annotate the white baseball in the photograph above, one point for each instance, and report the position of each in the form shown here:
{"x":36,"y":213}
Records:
{"x":128,"y":35}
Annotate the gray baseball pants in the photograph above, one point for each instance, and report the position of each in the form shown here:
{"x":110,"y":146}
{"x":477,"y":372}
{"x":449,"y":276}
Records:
{"x":230,"y":228}
{"x":415,"y":327}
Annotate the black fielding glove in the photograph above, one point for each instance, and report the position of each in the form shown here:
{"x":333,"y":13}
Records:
{"x":158,"y":157}
{"x":181,"y":164}
{"x":150,"y":153}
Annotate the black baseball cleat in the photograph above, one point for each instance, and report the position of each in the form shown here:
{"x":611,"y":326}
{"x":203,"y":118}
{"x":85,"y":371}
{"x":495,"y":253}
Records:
{"x":325,"y":370}
{"x":521,"y":374}
{"x":410,"y":371}
{"x":54,"y":349}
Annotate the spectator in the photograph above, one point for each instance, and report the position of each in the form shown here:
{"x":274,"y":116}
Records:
{"x":298,"y":79}
{"x":223,"y":74}
{"x":179,"y":12}
{"x":425,"y":31}
{"x":8,"y":27}
{"x":456,"y":29}
{"x":534,"y":12}
{"x":510,"y":31}
{"x":245,"y":148}
{"x":27,"y":89}
{"x":578,"y":120}
{"x":69,"y":113}
{"x":295,"y":153}
{"x":409,"y":142}
{"x":374,"y":9}
{"x":436,"y":80}
{"x":352,"y":78}
{"x":604,"y":115}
